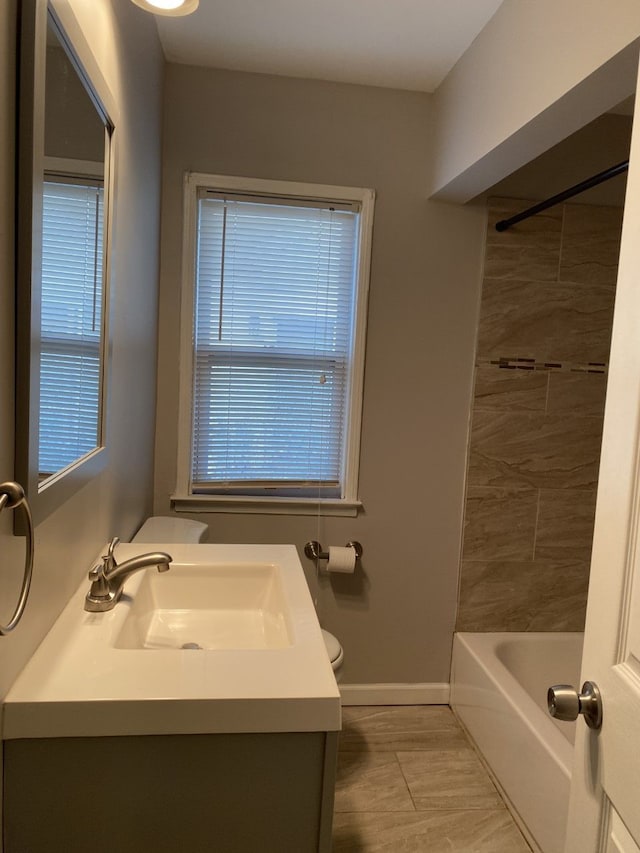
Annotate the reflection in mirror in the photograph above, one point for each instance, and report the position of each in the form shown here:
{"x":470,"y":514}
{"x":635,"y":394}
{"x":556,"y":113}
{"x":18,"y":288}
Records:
{"x":65,"y":148}
{"x":72,"y":267}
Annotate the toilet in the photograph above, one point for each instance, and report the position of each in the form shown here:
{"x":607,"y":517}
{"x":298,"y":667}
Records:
{"x":335,"y":653}
{"x":168,"y":529}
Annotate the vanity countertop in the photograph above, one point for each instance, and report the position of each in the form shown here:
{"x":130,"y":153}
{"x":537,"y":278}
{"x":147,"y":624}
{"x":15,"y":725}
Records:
{"x":79,"y":683}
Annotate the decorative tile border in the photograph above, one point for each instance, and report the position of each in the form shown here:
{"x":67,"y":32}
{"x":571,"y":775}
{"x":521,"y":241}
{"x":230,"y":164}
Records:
{"x":516,"y":363}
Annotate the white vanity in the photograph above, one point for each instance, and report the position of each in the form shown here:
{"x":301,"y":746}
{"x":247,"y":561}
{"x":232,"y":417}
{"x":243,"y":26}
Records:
{"x":200,"y":713}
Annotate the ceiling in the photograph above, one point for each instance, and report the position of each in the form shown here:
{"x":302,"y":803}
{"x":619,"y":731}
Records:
{"x":402,"y":44}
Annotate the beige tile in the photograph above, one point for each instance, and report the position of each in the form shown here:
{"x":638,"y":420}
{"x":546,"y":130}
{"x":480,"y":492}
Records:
{"x":545,"y":226}
{"x":404,"y":727}
{"x":545,"y":595}
{"x":537,"y":262}
{"x":528,"y":250}
{"x":389,"y":719}
{"x":582,"y":393}
{"x":370,"y":781}
{"x":499,"y":524}
{"x":565,"y":524}
{"x":428,"y":832}
{"x":516,"y":450}
{"x":510,"y":390}
{"x":448,"y":779}
{"x":591,"y":244}
{"x":551,"y":322}
{"x":563,"y":613}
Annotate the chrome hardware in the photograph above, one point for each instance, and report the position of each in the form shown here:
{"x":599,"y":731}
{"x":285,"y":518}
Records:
{"x":108,"y":577}
{"x":313,"y":550}
{"x":12,"y":496}
{"x":566,"y":704}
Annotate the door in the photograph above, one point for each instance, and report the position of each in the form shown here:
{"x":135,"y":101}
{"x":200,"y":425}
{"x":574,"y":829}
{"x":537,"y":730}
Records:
{"x":604,"y":814}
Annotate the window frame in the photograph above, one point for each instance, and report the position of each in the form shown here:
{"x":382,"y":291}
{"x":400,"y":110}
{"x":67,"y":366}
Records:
{"x":183,"y":498}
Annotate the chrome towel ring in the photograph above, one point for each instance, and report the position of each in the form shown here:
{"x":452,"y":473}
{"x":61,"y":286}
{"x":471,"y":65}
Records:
{"x":12,"y":496}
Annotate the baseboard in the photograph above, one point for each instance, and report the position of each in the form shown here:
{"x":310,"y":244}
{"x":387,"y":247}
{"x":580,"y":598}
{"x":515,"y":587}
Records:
{"x":395,"y":694}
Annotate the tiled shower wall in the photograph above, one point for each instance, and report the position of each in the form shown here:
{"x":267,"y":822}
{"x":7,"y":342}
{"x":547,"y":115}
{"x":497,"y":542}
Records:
{"x":541,"y":365}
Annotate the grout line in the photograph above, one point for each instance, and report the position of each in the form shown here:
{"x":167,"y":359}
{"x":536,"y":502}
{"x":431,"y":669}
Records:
{"x":535,"y":528}
{"x":564,"y":209}
{"x":515,"y":817}
{"x":406,"y":784}
{"x":419,"y":814}
{"x":546,"y":397}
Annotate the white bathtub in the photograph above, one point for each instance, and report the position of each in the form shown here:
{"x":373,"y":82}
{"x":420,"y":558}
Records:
{"x":498,"y":690}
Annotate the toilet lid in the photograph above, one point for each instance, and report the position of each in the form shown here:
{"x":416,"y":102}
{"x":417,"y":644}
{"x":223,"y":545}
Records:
{"x":334,"y":649}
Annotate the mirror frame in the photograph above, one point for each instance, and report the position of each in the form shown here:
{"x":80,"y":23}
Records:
{"x":46,"y":496}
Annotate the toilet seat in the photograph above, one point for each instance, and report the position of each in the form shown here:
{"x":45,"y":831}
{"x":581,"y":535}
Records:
{"x":334,"y":649}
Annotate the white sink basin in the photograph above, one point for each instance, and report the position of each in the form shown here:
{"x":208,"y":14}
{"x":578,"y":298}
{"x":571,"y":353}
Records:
{"x":262,"y":665}
{"x":239,"y":606}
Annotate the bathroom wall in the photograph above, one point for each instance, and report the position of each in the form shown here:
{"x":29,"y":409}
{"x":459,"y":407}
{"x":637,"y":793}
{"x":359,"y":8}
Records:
{"x":395,"y":616}
{"x":11,"y":553}
{"x":127,"y":51}
{"x":535,"y":74}
{"x":541,"y":363}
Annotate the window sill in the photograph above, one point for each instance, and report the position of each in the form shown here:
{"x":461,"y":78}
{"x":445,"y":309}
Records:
{"x":264,"y":506}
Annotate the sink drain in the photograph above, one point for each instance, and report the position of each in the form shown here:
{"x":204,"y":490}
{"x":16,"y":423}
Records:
{"x":190,"y":646}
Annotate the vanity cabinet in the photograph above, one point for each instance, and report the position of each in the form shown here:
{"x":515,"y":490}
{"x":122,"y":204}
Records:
{"x":208,"y":793}
{"x":124,"y":741}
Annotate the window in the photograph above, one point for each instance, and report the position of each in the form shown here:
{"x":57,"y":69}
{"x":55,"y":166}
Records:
{"x":274,"y":306}
{"x":71,"y":320}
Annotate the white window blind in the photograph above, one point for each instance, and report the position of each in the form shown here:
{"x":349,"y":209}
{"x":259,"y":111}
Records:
{"x":71,"y":320}
{"x":274,"y":314}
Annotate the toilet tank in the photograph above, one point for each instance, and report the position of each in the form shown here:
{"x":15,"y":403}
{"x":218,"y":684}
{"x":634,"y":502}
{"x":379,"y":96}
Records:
{"x":167,"y":528}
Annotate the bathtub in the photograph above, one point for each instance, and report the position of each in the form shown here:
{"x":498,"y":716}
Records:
{"x":498,"y":690}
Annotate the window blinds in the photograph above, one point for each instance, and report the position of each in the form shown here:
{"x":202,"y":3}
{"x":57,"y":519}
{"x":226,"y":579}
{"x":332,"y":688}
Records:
{"x":71,"y":320}
{"x":275,"y":290}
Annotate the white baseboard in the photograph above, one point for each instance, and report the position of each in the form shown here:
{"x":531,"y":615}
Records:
{"x":395,"y":694}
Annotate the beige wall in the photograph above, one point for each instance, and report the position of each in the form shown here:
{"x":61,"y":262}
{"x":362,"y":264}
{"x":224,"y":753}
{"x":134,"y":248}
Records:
{"x":541,"y":371}
{"x":131,"y":62}
{"x":11,"y":555}
{"x":395,"y":617}
{"x":536,"y":73}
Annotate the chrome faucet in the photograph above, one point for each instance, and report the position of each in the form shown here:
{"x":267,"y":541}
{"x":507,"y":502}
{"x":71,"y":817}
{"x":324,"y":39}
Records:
{"x":108,"y":577}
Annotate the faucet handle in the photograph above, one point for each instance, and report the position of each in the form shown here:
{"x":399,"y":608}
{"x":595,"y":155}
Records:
{"x":96,"y":572}
{"x":112,"y":546}
{"x":99,"y":585}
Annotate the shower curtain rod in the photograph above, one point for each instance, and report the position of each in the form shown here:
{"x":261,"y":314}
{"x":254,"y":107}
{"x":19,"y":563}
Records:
{"x":503,"y":224}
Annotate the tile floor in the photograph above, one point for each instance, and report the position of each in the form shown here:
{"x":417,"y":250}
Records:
{"x":410,"y":782}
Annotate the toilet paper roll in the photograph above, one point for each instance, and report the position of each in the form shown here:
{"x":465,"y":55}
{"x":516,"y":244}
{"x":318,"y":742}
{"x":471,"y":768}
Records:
{"x":341,"y":560}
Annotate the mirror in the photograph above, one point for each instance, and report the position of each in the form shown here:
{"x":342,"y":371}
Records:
{"x":65,"y":149}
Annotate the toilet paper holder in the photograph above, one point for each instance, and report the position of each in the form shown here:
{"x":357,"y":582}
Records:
{"x":313,"y":550}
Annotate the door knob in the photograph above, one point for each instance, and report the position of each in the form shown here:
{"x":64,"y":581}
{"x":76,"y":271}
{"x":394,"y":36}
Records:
{"x":565,"y":703}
